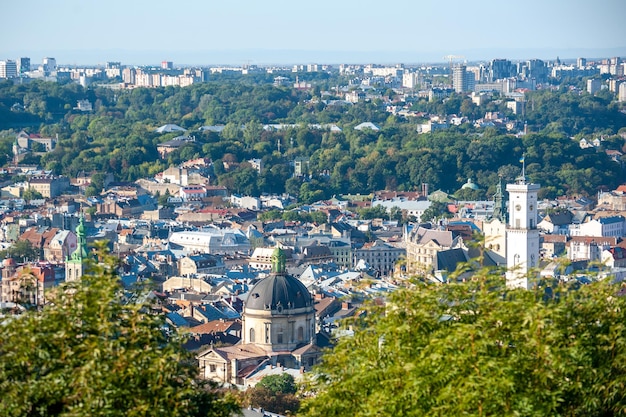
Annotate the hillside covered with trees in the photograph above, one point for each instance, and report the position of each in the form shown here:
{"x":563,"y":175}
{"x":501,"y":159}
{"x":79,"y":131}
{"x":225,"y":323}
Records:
{"x":119,"y":136}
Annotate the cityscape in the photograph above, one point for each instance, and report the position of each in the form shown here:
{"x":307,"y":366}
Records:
{"x":358,"y":210}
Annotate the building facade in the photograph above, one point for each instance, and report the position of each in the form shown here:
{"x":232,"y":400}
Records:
{"x":522,"y":235}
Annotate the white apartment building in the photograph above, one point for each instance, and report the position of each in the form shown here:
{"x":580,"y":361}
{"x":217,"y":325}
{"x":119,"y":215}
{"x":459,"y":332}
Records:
{"x":614,"y":226}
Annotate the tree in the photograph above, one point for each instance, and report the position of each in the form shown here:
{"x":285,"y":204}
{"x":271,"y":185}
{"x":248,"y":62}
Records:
{"x":275,"y":393}
{"x":283,"y":383}
{"x":95,"y":350}
{"x":478,"y":349}
{"x":31,"y":194}
{"x":436,"y":210}
{"x":21,"y":251}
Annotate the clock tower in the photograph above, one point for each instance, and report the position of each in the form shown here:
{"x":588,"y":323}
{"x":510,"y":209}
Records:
{"x":522,"y":236}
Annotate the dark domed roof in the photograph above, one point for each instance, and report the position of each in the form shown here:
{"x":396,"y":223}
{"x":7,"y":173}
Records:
{"x":278,"y":292}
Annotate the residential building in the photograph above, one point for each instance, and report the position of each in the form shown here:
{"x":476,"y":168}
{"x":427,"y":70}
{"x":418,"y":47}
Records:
{"x":500,"y":69}
{"x":614,"y":226}
{"x":203,"y":263}
{"x":25,"y":140}
{"x":49,"y":65}
{"x":594,"y":85}
{"x":621,"y":95}
{"x":26,"y":284}
{"x":613,"y":200}
{"x":588,"y":248}
{"x":192,"y":192}
{"x":423,"y":245}
{"x":49,"y":186}
{"x":462,"y":80}
{"x":8,"y":69}
{"x":556,"y":223}
{"x":379,"y":256}
{"x":552,"y":245}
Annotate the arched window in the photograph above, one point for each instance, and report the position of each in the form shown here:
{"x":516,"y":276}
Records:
{"x":251,"y":335}
{"x":300,"y":334}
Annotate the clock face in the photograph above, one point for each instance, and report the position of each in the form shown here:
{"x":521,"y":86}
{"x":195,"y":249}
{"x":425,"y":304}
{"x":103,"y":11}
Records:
{"x":518,"y":207}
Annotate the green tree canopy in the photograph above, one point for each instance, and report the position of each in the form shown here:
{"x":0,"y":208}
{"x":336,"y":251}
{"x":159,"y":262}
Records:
{"x":281,"y":383}
{"x":96,"y":351}
{"x":275,"y":393}
{"x":21,"y":251}
{"x":477,"y":349}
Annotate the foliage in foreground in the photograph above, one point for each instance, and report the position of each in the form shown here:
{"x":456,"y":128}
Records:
{"x":478,"y":349}
{"x":94,"y":352}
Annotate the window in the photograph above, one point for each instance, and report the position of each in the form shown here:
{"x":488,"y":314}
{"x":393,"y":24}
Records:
{"x":279,"y":335}
{"x":212,"y":368}
{"x":300,"y":334}
{"x":252,"y":335}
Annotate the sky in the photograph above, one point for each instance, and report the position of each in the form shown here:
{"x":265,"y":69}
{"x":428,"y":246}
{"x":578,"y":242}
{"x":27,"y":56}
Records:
{"x":265,"y":32}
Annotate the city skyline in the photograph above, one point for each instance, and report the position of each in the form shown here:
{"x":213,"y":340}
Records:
{"x":279,"y":32}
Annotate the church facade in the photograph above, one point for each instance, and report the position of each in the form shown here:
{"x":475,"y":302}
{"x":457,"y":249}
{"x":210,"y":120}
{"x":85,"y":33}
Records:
{"x":278,"y":328}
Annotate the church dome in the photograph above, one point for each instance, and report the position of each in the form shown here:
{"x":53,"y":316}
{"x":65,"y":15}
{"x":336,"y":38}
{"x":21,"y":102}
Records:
{"x":470,"y":184}
{"x":278,"y":292}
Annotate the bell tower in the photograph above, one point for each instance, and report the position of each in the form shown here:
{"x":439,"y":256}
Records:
{"x":75,"y":265}
{"x":522,"y":235}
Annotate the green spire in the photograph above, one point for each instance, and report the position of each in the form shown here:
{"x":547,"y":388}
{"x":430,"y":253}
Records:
{"x":279,"y":261}
{"x":81,"y":251}
{"x":499,"y":209}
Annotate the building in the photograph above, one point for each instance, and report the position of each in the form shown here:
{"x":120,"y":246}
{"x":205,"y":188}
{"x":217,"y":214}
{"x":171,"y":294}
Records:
{"x":76,"y":265}
{"x":423,"y":245}
{"x":380,"y":256}
{"x":49,"y":65}
{"x":522,"y":234}
{"x":500,"y":69}
{"x":594,"y":85}
{"x":610,"y":226}
{"x":462,"y":80}
{"x":23,"y":65}
{"x":8,"y":69}
{"x":621,"y":94}
{"x":26,"y":284}
{"x":49,"y":186}
{"x":203,"y":263}
{"x":214,"y":241}
{"x":588,"y":248}
{"x":26,"y":140}
{"x":278,"y":329}
{"x":301,"y":166}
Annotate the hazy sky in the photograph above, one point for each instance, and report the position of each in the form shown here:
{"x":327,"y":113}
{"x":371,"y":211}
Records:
{"x":273,"y":31}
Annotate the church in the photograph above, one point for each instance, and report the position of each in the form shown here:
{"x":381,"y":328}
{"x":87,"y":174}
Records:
{"x":278,"y":328}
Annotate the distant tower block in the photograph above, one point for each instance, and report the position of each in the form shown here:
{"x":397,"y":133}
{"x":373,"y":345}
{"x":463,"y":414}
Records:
{"x":522,"y":236}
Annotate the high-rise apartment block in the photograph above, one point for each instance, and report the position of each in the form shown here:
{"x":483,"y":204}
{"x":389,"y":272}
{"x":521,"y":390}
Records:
{"x":500,"y":69}
{"x":49,"y":65}
{"x":23,"y":65}
{"x":594,"y":85}
{"x":621,"y":94}
{"x":462,"y":80}
{"x":8,"y":69}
